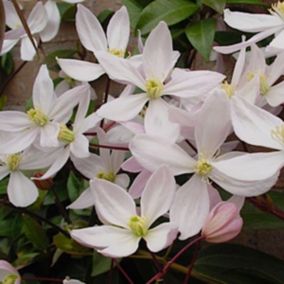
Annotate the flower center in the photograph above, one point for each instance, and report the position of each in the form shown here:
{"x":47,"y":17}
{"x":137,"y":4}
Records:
{"x":66,"y":135}
{"x":154,"y":88}
{"x":278,"y":8}
{"x":37,"y":116}
{"x":106,"y":176}
{"x":264,"y":85}
{"x":203,"y":167}
{"x":278,"y":133}
{"x":117,"y":52}
{"x":9,"y":279}
{"x":13,"y":161}
{"x":138,"y":226}
{"x":228,"y":88}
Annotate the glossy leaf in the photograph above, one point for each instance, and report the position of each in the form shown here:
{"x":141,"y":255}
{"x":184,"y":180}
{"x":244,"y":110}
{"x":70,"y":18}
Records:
{"x":217,"y":5}
{"x":134,"y":8}
{"x":101,"y":264}
{"x":172,"y":12}
{"x":201,"y":36}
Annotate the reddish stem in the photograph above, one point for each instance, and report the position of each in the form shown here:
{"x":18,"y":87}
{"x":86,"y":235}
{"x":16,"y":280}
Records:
{"x":109,"y":147}
{"x":123,"y":272}
{"x":167,"y":266}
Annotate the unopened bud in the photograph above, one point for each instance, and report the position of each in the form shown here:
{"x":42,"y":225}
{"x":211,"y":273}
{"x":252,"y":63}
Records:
{"x":44,"y":184}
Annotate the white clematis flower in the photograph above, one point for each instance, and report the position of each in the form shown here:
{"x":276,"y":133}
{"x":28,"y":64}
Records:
{"x":124,"y":226}
{"x":36,"y":21}
{"x":43,"y":120}
{"x":262,"y":24}
{"x":232,"y":171}
{"x":93,"y":38}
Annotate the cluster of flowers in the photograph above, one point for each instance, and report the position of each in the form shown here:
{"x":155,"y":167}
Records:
{"x":174,"y":121}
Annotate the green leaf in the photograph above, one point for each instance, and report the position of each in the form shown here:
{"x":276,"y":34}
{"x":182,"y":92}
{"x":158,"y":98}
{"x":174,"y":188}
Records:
{"x":74,"y":186}
{"x":67,"y":11}
{"x":35,"y":233}
{"x":234,"y":264}
{"x":50,"y":59}
{"x":172,"y":12}
{"x":134,"y":9}
{"x":101,"y":264}
{"x":7,"y":63}
{"x":104,"y":15}
{"x":201,"y":36}
{"x":217,"y":5}
{"x":253,"y":2}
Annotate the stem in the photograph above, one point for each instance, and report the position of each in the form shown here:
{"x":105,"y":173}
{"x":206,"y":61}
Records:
{"x":109,"y":147}
{"x":266,"y":206}
{"x":123,"y":272}
{"x":110,"y":272}
{"x":155,"y":261}
{"x":5,"y":84}
{"x":170,"y":262}
{"x":60,"y":207}
{"x":191,"y":145}
{"x":105,"y":97}
{"x":33,"y":215}
{"x":24,"y":23}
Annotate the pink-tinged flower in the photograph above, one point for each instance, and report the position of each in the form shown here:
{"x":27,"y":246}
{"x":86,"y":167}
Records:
{"x":42,"y":120}
{"x":232,"y":171}
{"x":224,"y":221}
{"x":267,"y":75}
{"x":156,"y":78}
{"x":124,"y":226}
{"x":36,"y":21}
{"x":71,"y":141}
{"x":21,"y":190}
{"x":8,"y":274}
{"x":262,"y":24}
{"x":93,"y":38}
{"x":53,"y":19}
{"x":104,"y":166}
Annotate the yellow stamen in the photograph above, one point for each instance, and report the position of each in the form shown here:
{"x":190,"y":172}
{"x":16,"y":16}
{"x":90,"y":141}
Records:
{"x":278,"y":8}
{"x":228,"y":88}
{"x":66,"y":135}
{"x":117,"y":52}
{"x":10,"y":279}
{"x":138,"y":226}
{"x":154,"y":88}
{"x":264,"y":85}
{"x":203,"y":167}
{"x":13,"y":161}
{"x":278,"y":133}
{"x":250,"y":76}
{"x":37,"y":116}
{"x":107,"y":176}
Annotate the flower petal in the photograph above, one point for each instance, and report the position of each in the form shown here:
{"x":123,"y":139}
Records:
{"x":81,"y":70}
{"x":14,"y":121}
{"x":112,"y":202}
{"x":21,"y":190}
{"x":190,"y":207}
{"x":158,"y":195}
{"x":138,"y":184}
{"x":275,"y":95}
{"x":27,"y":49}
{"x":85,"y":200}
{"x":37,"y":19}
{"x":49,"y":134}
{"x":80,"y":146}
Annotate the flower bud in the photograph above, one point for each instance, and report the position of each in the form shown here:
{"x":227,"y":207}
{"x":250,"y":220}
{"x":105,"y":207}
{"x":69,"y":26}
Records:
{"x":44,"y":184}
{"x":8,"y":275}
{"x":223,"y":223}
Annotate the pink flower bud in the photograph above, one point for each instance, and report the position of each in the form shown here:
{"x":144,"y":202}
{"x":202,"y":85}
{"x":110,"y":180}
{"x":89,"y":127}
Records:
{"x":8,"y":274}
{"x":223,"y":223}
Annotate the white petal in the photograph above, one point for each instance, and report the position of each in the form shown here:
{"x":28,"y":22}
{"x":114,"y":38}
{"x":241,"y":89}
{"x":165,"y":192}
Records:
{"x":161,"y":237}
{"x":239,"y":67}
{"x":153,"y":152}
{"x":275,"y":96}
{"x":118,"y":29}
{"x":157,"y":121}
{"x":53,"y":23}
{"x":117,"y":158}
{"x":37,"y":19}
{"x":192,"y":83}
{"x":138,"y":184}
{"x":251,"y":22}
{"x":82,"y":109}
{"x":157,"y":51}
{"x":43,"y":91}
{"x":14,"y":121}
{"x":123,"y":108}
{"x":120,"y":69}
{"x":14,"y":34}
{"x":90,"y":122}
{"x":158,"y":195}
{"x":27,"y":49}
{"x":254,"y":125}
{"x":190,"y":207}
{"x":112,"y":202}
{"x":21,"y":190}
{"x":213,"y":121}
{"x":277,"y":42}
{"x":81,"y":70}
{"x":12,"y":19}
{"x":89,"y":29}
{"x":85,"y":200}
{"x":8,"y":45}
{"x":122,"y":180}
{"x":49,"y":134}
{"x":80,"y":147}
{"x":276,"y":69}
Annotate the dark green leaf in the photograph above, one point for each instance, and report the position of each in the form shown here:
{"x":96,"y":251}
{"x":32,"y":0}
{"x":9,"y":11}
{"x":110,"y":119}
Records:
{"x":235,"y":264}
{"x":67,"y":11}
{"x":172,"y":12}
{"x":7,"y":63}
{"x":217,"y":5}
{"x":101,"y":264}
{"x":134,"y":8}
{"x":74,"y":186}
{"x":255,"y":2}
{"x":50,"y":59}
{"x":201,"y":36}
{"x":35,"y":233}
